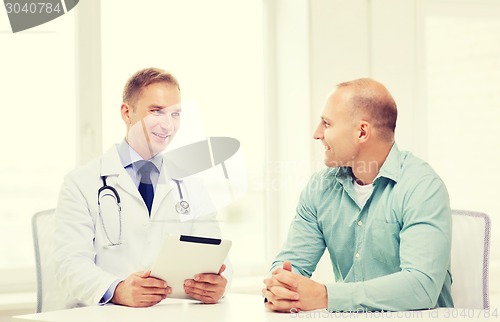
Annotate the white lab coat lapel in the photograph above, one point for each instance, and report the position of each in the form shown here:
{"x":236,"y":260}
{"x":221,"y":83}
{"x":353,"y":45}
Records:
{"x":111,"y":165}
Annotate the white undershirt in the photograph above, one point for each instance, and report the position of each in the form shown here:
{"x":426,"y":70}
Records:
{"x":362,"y":192}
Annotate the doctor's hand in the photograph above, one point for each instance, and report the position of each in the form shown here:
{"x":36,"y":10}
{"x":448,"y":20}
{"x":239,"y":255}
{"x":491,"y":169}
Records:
{"x":286,"y":290}
{"x":207,"y":288}
{"x":141,"y":290}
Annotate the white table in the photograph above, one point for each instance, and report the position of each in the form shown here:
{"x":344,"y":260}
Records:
{"x":239,"y":307}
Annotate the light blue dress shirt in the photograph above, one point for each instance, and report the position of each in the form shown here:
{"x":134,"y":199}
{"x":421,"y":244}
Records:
{"x":391,"y":254}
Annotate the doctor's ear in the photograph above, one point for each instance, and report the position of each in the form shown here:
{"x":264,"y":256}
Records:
{"x":125,"y":111}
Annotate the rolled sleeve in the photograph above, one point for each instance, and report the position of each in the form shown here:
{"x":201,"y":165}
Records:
{"x":305,"y":243}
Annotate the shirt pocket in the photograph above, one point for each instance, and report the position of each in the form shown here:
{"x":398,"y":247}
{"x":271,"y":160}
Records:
{"x":384,"y":242}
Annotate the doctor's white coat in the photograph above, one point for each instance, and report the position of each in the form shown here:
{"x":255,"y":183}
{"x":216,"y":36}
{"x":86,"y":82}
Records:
{"x":84,"y":263}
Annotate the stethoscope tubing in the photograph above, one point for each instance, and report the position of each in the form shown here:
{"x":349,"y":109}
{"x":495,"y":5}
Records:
{"x":181,"y":207}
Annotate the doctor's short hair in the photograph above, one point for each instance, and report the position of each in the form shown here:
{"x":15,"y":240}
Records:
{"x":143,"y":78}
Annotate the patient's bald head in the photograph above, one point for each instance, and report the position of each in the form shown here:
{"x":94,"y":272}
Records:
{"x":370,"y":101}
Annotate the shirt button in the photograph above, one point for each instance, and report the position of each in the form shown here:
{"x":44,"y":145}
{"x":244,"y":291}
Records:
{"x":357,"y":255}
{"x":360,"y":223}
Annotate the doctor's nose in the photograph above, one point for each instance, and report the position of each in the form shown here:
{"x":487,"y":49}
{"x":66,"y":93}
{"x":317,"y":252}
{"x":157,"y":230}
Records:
{"x":167,"y":122}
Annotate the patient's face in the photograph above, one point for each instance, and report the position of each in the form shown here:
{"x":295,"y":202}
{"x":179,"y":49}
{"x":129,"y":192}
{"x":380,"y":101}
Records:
{"x":337,"y":130}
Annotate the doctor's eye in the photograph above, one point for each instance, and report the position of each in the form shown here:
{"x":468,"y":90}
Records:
{"x":157,"y":111}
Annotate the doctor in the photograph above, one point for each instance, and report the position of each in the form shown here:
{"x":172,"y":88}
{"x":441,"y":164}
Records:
{"x":114,"y":212}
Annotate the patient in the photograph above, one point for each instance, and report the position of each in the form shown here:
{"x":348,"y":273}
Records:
{"x":383,"y":214}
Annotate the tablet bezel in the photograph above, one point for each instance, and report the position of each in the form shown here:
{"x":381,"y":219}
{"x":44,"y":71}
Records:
{"x":182,"y":256}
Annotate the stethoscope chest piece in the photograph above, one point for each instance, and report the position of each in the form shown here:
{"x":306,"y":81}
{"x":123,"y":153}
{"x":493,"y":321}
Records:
{"x":182,"y":207}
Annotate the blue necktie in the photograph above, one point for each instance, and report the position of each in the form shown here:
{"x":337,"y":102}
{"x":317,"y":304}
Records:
{"x":146,"y":186}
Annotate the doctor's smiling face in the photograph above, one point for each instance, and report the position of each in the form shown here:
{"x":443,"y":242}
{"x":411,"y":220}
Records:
{"x":153,"y":118}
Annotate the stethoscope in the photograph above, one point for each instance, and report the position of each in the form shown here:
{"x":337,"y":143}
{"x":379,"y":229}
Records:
{"x":181,"y":207}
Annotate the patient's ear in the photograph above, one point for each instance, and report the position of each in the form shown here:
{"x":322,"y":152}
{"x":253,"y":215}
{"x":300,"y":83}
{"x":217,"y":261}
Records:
{"x":364,"y":131}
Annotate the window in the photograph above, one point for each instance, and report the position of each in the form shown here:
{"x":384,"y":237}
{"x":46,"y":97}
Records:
{"x":38,"y":134}
{"x":216,"y":56}
{"x":215,"y":50}
{"x":463,"y":73}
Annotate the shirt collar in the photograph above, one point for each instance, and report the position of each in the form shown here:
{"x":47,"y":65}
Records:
{"x":129,"y":156}
{"x":391,"y":169}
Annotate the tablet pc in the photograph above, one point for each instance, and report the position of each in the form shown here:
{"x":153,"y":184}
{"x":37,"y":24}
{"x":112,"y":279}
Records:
{"x":182,"y":257}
